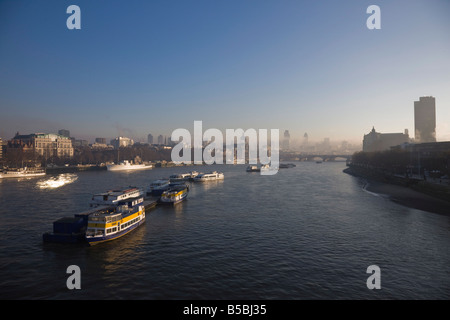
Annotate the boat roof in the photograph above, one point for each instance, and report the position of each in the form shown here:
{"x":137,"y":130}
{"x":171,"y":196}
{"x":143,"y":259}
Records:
{"x":160,"y":181}
{"x":117,"y":192}
{"x":96,"y":209}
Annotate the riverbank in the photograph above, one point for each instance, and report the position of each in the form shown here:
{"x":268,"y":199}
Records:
{"x":408,"y":192}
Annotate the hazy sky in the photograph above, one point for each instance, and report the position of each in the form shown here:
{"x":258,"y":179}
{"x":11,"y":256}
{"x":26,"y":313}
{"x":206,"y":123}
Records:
{"x":139,"y":67}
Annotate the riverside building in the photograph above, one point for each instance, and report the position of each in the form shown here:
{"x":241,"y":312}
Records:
{"x":376,"y":141}
{"x":43,"y":144}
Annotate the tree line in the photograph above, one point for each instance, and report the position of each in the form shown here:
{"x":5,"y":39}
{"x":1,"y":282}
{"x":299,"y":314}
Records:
{"x":18,"y":157}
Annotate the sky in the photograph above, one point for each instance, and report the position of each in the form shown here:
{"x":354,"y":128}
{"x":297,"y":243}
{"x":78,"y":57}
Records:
{"x":152,"y":66}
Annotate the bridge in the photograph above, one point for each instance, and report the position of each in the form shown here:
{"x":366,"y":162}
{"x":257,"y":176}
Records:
{"x":316,"y":157}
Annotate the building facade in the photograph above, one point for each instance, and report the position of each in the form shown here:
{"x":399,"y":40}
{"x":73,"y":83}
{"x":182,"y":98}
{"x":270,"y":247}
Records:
{"x":376,"y":141}
{"x":150,"y":138}
{"x":160,"y":139}
{"x":121,"y":142}
{"x":425,"y":120}
{"x":46,"y":145}
{"x":286,"y":138}
{"x":64,"y":133}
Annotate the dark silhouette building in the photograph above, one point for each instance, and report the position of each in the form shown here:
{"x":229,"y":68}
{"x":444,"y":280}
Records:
{"x":425,"y":120}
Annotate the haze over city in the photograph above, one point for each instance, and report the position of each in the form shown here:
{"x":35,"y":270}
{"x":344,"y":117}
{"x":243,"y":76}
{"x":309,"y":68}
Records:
{"x":143,"y":67}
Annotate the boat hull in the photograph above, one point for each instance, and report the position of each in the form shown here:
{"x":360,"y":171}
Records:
{"x":21,"y":175}
{"x":96,"y":240}
{"x":173,"y":202}
{"x":118,"y":167}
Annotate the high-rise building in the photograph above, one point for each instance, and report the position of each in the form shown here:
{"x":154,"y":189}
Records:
{"x":425,"y":120}
{"x":150,"y":138}
{"x":64,"y":133}
{"x":305,"y":139}
{"x":1,"y":148}
{"x":160,"y":139}
{"x":100,"y":140}
{"x":286,"y":138}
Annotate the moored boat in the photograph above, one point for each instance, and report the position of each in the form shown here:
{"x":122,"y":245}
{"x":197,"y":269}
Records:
{"x":107,"y":226}
{"x":175,"y":194}
{"x":209,"y":176}
{"x":127,"y":165}
{"x":22,"y":173}
{"x":179,"y":177}
{"x":157,"y":187}
{"x":113,"y":197}
{"x":183,"y":176}
{"x":253,"y":169}
{"x":286,"y":165}
{"x":73,"y":229}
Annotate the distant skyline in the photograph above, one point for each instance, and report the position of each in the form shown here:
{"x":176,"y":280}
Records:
{"x":140,"y":67}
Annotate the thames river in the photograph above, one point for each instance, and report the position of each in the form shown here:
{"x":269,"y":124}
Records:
{"x":308,"y":232}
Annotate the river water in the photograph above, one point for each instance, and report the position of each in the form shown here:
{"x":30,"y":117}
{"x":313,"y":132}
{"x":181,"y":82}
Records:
{"x":308,"y":232}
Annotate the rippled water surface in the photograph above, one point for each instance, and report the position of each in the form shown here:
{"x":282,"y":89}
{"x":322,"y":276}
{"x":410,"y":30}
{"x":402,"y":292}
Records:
{"x":309,"y":232}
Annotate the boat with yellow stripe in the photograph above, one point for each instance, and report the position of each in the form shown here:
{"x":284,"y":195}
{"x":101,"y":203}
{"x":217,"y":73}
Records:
{"x":109,"y":225}
{"x":176,"y":193}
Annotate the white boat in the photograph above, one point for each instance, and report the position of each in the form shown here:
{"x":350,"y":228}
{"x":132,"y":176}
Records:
{"x":157,"y":187}
{"x":209,"y":176}
{"x":183,"y":176}
{"x":253,"y":169}
{"x":22,"y":173}
{"x":179,"y":177}
{"x":113,"y":197}
{"x":127,"y":165}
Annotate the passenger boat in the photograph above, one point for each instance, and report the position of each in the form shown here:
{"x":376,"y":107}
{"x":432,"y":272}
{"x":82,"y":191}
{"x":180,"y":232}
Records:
{"x":253,"y":169}
{"x":209,"y":176}
{"x":157,"y":187}
{"x":175,"y":194}
{"x":127,"y":165}
{"x":287,"y":165}
{"x":179,"y":177}
{"x":193,"y":175}
{"x":106,"y":226}
{"x":73,"y":229}
{"x":113,"y":197}
{"x":183,"y":176}
{"x":22,"y":173}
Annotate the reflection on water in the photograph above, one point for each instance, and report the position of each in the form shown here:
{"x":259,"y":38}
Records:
{"x":57,"y":181}
{"x":209,"y":184}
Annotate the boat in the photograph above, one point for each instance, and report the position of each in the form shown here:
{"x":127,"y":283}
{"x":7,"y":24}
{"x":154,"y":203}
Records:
{"x":287,"y":165}
{"x":253,"y":169}
{"x":113,"y":197}
{"x":107,"y":226}
{"x":209,"y":176}
{"x":127,"y":165}
{"x":179,"y":177}
{"x":157,"y":187}
{"x":175,"y":194}
{"x":183,"y":176}
{"x":73,"y":229}
{"x":22,"y":173}
{"x":193,"y":175}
